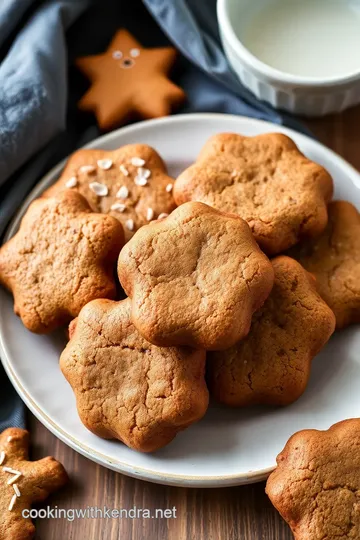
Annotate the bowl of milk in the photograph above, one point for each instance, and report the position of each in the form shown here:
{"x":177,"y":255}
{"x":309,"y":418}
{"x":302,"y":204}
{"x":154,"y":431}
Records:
{"x":302,"y":56}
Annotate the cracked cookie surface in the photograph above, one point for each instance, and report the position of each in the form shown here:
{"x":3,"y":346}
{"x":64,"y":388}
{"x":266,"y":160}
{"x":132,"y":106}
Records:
{"x":130,"y":183}
{"x":125,"y":387}
{"x":23,"y":483}
{"x":195,"y":278}
{"x":316,"y":485}
{"x":334,"y":259}
{"x":266,"y":180}
{"x":61,"y":258}
{"x":272,"y":364}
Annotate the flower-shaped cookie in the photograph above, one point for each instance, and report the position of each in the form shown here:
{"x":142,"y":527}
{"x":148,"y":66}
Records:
{"x":129,"y":81}
{"x":266,"y":180}
{"x":125,"y":387}
{"x":23,"y":483}
{"x":272,"y":364}
{"x":195,"y":278}
{"x":130,"y":183}
{"x":316,"y":485}
{"x":61,"y":258}
{"x":334,"y":259}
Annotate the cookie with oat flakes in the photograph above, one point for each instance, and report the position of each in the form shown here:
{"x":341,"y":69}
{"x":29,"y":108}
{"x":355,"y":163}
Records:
{"x":126,"y":388}
{"x":272,"y":364}
{"x":130,"y":183}
{"x":265,"y":180}
{"x":316,"y":484}
{"x":195,"y":278}
{"x":23,"y":483}
{"x":61,"y":258}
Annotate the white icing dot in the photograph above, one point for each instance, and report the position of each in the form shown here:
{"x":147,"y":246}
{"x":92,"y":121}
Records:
{"x":123,"y":193}
{"x":129,"y":224}
{"x":105,"y":164}
{"x":149,"y":214}
{"x":137,"y":162}
{"x":72,"y":182}
{"x":163,"y":215}
{"x":99,"y":189}
{"x":12,"y":502}
{"x":124,"y":170}
{"x":87,"y":169}
{"x":117,"y":55}
{"x":118,"y":207}
{"x":145,"y":173}
{"x":134,"y":53}
{"x":140,"y":181}
{"x":169,"y":188}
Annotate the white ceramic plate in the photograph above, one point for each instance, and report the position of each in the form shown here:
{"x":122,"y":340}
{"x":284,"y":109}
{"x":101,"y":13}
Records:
{"x":227,"y":447}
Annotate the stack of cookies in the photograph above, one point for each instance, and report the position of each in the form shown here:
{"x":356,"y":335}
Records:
{"x":193,"y":262}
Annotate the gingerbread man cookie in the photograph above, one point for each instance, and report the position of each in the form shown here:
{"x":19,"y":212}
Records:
{"x":316,"y":485}
{"x":334,"y":259}
{"x":23,"y":483}
{"x":195,"y":278}
{"x":130,"y":183}
{"x":125,"y":387}
{"x":129,"y":81}
{"x":272,"y":364}
{"x":266,"y":180}
{"x":61,"y":258}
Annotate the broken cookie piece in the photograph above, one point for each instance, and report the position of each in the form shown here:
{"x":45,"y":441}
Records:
{"x":272,"y":364}
{"x":195,"y":278}
{"x":126,"y":388}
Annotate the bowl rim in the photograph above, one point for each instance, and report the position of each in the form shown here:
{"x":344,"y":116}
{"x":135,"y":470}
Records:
{"x":267,"y":71}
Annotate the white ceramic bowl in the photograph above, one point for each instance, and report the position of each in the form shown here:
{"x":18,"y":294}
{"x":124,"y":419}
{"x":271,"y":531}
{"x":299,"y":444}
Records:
{"x":308,"y":96}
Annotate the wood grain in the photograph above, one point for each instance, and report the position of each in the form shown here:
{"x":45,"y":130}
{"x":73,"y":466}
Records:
{"x":239,"y":513}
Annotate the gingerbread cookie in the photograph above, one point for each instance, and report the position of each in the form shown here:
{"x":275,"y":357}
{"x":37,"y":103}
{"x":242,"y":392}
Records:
{"x":130,"y":183}
{"x":125,"y":387}
{"x":23,"y":483}
{"x":129,"y":81}
{"x":266,"y":180}
{"x":195,"y":278}
{"x":334,"y":258}
{"x":316,"y":485}
{"x":61,"y":258}
{"x":272,"y":364}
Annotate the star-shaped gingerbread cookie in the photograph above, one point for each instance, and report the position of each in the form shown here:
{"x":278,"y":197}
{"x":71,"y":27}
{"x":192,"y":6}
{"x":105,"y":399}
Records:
{"x":61,"y":258}
{"x":130,"y":183}
{"x":195,"y":278}
{"x":272,"y":364}
{"x":23,"y":483}
{"x":266,"y":180}
{"x":126,"y":388}
{"x":334,"y":259}
{"x":316,"y":485}
{"x":129,"y":81}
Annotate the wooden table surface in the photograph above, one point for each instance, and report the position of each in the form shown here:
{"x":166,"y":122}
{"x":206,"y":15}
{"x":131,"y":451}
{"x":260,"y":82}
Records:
{"x":237,"y":513}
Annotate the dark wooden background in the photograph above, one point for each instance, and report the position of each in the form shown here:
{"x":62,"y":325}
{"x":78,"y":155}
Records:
{"x":238,"y":513}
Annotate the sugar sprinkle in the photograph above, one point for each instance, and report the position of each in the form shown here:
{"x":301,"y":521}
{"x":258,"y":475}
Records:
{"x":2,"y":457}
{"x":12,"y":471}
{"x":105,"y":164}
{"x":118,"y":207}
{"x":124,"y":170}
{"x":87,"y":169}
{"x":140,"y":181}
{"x":149,"y":214}
{"x":137,"y":162}
{"x":17,"y":490}
{"x":10,"y":438}
{"x":123,"y":193}
{"x":99,"y":189}
{"x":14,"y":479}
{"x":144,"y":173}
{"x":169,"y":188}
{"x":12,"y":502}
{"x":163,"y":215}
{"x":72,"y":182}
{"x":129,"y":224}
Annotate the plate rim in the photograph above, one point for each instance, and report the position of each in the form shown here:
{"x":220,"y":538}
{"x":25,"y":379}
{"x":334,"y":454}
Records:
{"x":98,"y":457}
